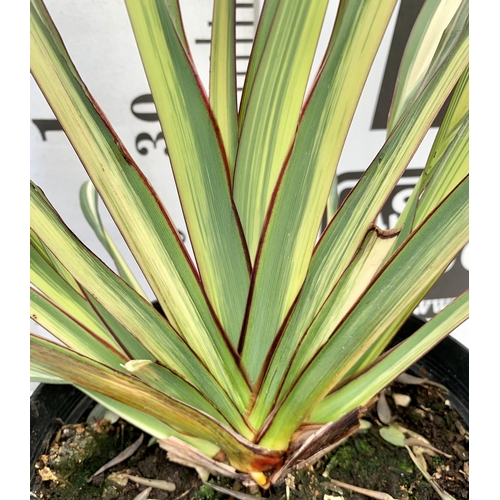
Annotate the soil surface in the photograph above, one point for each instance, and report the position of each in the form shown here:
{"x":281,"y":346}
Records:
{"x":365,"y":460}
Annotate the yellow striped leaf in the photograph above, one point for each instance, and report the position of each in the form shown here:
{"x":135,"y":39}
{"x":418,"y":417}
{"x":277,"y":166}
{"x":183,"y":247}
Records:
{"x":223,"y":100}
{"x":274,"y":104}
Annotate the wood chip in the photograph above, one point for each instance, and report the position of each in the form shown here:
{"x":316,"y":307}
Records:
{"x":161,"y":484}
{"x":378,"y":495}
{"x":143,"y":495}
{"x":401,"y":400}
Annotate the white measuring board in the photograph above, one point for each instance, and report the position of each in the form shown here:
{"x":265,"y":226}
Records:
{"x":100,"y":41}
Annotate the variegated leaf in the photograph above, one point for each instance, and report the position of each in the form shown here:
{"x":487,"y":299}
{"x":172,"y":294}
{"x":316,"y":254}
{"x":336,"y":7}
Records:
{"x":295,"y":214}
{"x":382,"y":372}
{"x":378,"y":315}
{"x":198,"y":162}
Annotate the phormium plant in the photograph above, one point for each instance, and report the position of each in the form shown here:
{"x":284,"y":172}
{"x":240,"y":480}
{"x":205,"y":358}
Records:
{"x":273,"y":341}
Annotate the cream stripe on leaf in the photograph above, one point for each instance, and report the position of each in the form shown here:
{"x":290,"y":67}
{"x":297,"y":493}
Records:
{"x":90,"y":208}
{"x":258,"y":45}
{"x":222,"y":93}
{"x":149,"y":424}
{"x":130,"y":308}
{"x":80,"y":371}
{"x":45,"y":278}
{"x":273,"y":109}
{"x":348,"y":227}
{"x":420,"y":50}
{"x":301,"y":345}
{"x":71,"y":333}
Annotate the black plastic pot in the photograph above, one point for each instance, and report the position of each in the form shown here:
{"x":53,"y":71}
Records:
{"x":447,"y":363}
{"x":52,"y":406}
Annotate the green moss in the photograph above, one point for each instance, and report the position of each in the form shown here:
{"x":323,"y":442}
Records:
{"x":206,"y":492}
{"x":79,"y":456}
{"x":438,"y":461}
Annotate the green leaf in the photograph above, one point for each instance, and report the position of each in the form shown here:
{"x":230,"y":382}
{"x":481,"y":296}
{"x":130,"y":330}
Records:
{"x":332,"y":205}
{"x":46,"y":279}
{"x":45,"y":378}
{"x":370,"y":325}
{"x":76,"y":302}
{"x":351,"y":287}
{"x":37,"y":246}
{"x":175,"y":14}
{"x":259,"y":43}
{"x":129,"y":343}
{"x":300,"y":198}
{"x":71,"y":333}
{"x":447,"y":163}
{"x":199,"y":164}
{"x":388,"y":367}
{"x":456,"y":112}
{"x":149,"y":424}
{"x":90,"y":208}
{"x":347,"y":229}
{"x":453,"y":166}
{"x":426,"y":34}
{"x":87,"y":343}
{"x":223,"y":100}
{"x":166,"y":381}
{"x":273,"y":109}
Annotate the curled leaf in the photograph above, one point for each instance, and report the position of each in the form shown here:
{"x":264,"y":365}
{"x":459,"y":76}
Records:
{"x":406,"y":378}
{"x":442,"y":494}
{"x":415,"y":442}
